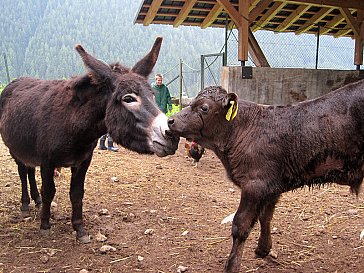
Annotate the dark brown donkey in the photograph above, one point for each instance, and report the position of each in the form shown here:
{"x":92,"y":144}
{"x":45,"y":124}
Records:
{"x":57,"y":123}
{"x":268,"y":150}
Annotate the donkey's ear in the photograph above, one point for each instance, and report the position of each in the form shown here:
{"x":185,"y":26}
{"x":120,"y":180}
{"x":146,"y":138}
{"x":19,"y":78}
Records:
{"x":231,"y":104}
{"x":100,"y":68}
{"x":145,"y":66}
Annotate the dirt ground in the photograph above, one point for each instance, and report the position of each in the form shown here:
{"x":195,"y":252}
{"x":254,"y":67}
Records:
{"x":163,"y":213}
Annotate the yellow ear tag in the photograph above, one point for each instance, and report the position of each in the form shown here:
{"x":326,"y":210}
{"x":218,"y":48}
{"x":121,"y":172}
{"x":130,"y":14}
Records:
{"x":231,"y":113}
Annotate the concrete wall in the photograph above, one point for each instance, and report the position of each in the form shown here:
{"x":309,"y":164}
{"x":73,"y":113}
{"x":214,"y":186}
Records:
{"x":281,"y":86}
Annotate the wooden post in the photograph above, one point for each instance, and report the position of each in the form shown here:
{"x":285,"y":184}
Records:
{"x":358,"y":55}
{"x":243,"y":30}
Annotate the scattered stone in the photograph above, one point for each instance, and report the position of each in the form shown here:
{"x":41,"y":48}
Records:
{"x":103,"y":212}
{"x":114,"y":179}
{"x":140,"y":258}
{"x":153,"y":211}
{"x":353,"y":212}
{"x":127,"y":217}
{"x":100,"y":237}
{"x":181,"y":269}
{"x":53,"y":204}
{"x":27,"y":219}
{"x":361,"y":235}
{"x":334,"y":237}
{"x":184,"y":233}
{"x":273,"y":254}
{"x":83,"y":271}
{"x":149,"y":231}
{"x":159,"y":167}
{"x":228,"y":219}
{"x":7,"y":185}
{"x":231,"y":190}
{"x":274,"y":230}
{"x":107,"y":248}
{"x":44,"y":259}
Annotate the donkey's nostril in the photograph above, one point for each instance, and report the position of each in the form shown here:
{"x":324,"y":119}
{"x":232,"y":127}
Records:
{"x":170,"y":121}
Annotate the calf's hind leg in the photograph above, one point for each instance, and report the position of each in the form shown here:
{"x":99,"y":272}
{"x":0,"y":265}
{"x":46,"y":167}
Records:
{"x":265,"y":238}
{"x":76,"y":196}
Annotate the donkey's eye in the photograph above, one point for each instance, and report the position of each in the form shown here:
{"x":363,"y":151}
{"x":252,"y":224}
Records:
{"x":129,"y":99}
{"x":205,"y":108}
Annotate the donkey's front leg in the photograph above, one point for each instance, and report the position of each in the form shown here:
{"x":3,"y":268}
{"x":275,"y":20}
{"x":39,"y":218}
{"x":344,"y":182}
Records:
{"x":48,"y":191}
{"x":76,"y":196}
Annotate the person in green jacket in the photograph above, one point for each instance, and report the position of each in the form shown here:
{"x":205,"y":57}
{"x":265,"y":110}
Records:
{"x":161,"y":94}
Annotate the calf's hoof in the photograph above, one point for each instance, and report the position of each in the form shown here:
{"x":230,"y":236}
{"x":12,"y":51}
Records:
{"x":81,"y":234}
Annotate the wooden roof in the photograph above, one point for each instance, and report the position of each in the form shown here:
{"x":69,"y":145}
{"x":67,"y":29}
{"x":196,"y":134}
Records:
{"x":335,"y":17}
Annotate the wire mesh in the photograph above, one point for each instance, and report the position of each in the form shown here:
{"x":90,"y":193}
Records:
{"x":298,"y":51}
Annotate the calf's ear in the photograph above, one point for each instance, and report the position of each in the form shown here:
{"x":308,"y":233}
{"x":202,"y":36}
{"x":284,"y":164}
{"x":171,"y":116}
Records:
{"x":231,"y":104}
{"x":99,"y":68}
{"x":145,"y":66}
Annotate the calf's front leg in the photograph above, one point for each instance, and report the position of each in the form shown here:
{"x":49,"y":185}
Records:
{"x":244,"y":220}
{"x":76,"y":196}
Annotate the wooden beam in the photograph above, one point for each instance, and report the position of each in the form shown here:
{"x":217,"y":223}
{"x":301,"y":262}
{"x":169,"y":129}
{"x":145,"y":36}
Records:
{"x":292,"y":17}
{"x":332,"y":24}
{"x":213,"y":14}
{"x":243,"y":29}
{"x":231,"y":10}
{"x":152,"y":12}
{"x":350,"y":20}
{"x":313,"y":20}
{"x":354,"y":4}
{"x":341,"y":33}
{"x":268,"y":15}
{"x":188,"y":5}
{"x":258,"y":9}
{"x":256,"y":52}
{"x":358,"y":54}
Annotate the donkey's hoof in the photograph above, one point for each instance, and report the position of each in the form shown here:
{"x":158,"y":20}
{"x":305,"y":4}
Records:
{"x":45,"y":232}
{"x":25,"y":213}
{"x":85,"y":239}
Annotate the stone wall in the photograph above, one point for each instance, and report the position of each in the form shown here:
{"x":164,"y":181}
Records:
{"x":281,"y":86}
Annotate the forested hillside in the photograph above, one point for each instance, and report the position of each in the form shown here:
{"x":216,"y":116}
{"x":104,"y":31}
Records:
{"x":39,"y":36}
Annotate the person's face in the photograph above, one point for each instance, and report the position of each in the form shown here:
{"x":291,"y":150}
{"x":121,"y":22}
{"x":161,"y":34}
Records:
{"x":158,"y":80}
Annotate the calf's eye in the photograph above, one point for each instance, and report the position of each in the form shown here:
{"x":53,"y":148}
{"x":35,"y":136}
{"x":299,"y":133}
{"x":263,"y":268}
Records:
{"x":129,"y":99}
{"x":205,"y":108}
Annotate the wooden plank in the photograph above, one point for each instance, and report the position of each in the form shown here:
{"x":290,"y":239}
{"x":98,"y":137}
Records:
{"x":188,"y":5}
{"x":152,"y":12}
{"x":268,"y":15}
{"x":213,"y":14}
{"x":332,"y":24}
{"x":350,"y":20}
{"x":355,"y":4}
{"x":292,"y":17}
{"x":258,"y":9}
{"x":314,"y":19}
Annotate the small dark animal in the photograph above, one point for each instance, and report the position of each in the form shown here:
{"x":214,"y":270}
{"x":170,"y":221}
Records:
{"x":194,"y":151}
{"x":269,"y":150}
{"x":57,"y":123}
